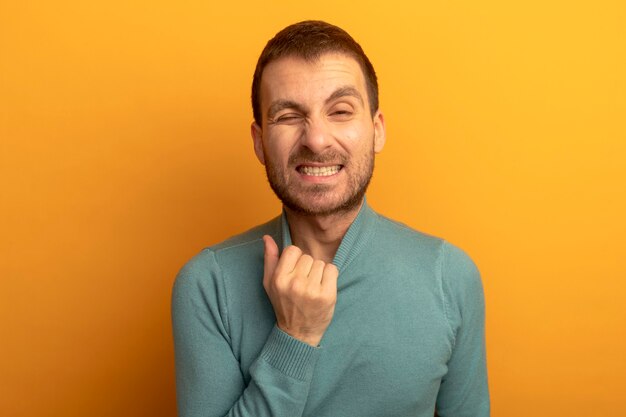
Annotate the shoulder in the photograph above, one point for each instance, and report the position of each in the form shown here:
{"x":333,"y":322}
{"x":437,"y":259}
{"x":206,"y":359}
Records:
{"x":248,"y":237}
{"x":402,"y":239}
{"x":456,"y":270}
{"x":241,"y":251}
{"x":457,"y":260}
{"x":459,"y":272}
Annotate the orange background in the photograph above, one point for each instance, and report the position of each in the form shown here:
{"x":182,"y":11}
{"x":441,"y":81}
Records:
{"x":125,"y":149}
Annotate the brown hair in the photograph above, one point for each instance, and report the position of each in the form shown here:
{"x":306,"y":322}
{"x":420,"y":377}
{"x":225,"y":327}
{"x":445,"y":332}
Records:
{"x":309,"y":40}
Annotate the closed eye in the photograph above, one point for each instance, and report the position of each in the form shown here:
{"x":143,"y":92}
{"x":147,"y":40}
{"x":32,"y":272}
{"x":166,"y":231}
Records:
{"x":289,"y":118}
{"x":341,"y":114}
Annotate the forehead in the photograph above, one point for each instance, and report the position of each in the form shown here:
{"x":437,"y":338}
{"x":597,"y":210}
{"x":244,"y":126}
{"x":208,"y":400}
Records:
{"x":294,"y":78}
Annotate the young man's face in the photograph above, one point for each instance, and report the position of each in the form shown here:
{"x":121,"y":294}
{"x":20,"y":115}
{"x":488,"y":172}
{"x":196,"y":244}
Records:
{"x":318,"y":137}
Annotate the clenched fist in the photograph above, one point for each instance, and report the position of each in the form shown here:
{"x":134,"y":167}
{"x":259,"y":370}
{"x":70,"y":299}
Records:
{"x":303,"y":291}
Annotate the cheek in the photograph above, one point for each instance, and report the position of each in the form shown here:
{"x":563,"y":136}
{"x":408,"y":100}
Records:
{"x":279,"y":143}
{"x":347,"y":133}
{"x":354,"y":136}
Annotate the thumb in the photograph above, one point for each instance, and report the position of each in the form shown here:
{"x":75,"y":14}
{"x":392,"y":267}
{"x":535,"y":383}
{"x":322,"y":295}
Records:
{"x":270,"y":257}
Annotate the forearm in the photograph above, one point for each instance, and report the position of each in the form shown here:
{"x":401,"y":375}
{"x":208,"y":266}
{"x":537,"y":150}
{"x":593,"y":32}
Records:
{"x":279,"y":384}
{"x":210,"y":379}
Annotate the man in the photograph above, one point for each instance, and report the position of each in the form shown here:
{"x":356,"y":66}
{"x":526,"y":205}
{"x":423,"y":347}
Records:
{"x":330,"y":309}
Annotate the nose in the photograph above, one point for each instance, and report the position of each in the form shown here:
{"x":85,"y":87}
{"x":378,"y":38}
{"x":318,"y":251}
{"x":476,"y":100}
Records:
{"x":316,"y":135}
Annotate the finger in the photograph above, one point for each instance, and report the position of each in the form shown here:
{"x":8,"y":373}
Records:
{"x":316,"y":272}
{"x":303,"y":266}
{"x":270,"y":257}
{"x":288,"y":260}
{"x":329,"y":277}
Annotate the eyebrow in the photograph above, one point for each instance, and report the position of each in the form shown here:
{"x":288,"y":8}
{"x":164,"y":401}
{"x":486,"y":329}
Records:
{"x":279,"y":105}
{"x":345,"y":92}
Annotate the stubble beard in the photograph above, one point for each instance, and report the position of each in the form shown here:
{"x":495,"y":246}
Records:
{"x":312,"y":201}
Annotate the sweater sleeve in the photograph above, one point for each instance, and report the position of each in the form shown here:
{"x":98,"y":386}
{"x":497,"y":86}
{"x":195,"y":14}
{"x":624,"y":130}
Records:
{"x":209,"y":380}
{"x":464,"y":390}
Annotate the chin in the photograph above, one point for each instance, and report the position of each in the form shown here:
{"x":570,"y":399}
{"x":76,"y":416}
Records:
{"x":322,"y":206}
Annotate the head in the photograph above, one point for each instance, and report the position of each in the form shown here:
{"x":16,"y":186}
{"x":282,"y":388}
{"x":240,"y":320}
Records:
{"x":309,"y":40}
{"x":317,"y":123}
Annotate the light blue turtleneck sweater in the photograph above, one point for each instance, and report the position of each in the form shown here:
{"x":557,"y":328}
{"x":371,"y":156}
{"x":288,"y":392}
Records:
{"x":407,"y":335}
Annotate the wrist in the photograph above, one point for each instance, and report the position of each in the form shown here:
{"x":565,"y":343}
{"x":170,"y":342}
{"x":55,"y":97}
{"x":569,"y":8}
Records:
{"x":312,"y":339}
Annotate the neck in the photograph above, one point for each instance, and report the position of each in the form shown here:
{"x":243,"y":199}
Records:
{"x":320,"y":236}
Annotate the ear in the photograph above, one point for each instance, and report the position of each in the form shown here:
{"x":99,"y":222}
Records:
{"x":379,"y":131}
{"x":257,"y":139}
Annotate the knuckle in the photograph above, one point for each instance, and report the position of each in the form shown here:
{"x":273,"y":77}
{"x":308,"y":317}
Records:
{"x":281,"y":284}
{"x":297,"y":287}
{"x":320,"y":297}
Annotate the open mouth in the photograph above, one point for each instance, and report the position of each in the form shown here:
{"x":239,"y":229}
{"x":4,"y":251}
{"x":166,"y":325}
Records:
{"x":319,"y":171}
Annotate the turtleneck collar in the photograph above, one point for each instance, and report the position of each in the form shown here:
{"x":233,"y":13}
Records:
{"x":355,"y":238}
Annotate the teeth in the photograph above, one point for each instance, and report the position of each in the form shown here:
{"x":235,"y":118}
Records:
{"x":320,"y":171}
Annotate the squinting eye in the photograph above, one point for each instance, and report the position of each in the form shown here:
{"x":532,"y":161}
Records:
{"x":289,"y":119}
{"x":342,"y":114}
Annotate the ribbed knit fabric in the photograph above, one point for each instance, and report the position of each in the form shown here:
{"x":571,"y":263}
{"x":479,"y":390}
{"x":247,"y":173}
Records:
{"x":407,"y":335}
{"x":290,"y":356}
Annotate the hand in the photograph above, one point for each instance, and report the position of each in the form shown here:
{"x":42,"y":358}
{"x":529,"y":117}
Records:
{"x":303,"y":291}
